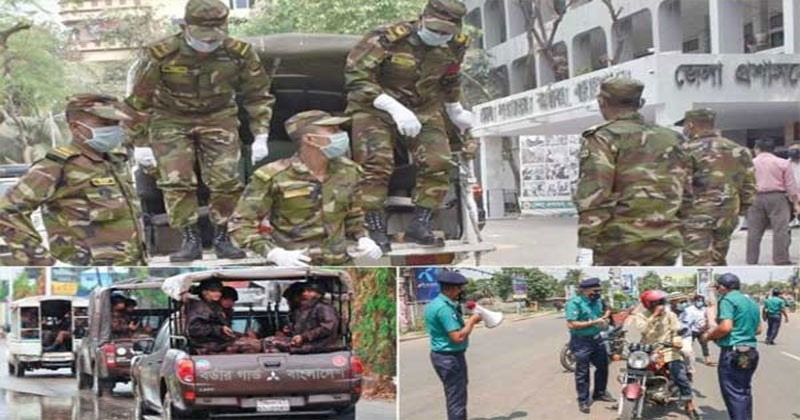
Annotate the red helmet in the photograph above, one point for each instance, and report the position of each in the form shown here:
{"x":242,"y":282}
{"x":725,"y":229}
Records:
{"x":650,"y":297}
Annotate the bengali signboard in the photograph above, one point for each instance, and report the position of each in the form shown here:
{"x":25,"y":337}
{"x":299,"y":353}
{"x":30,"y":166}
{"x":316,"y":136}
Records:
{"x":549,"y":172}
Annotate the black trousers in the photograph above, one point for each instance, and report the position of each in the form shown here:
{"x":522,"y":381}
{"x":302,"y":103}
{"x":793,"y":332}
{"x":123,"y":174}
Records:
{"x":452,"y":370}
{"x":589,"y":350}
{"x":735,"y":384}
{"x":773,"y":325}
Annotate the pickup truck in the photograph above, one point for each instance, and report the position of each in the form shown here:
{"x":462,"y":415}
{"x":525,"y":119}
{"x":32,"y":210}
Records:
{"x":308,"y":73}
{"x":177,"y":380}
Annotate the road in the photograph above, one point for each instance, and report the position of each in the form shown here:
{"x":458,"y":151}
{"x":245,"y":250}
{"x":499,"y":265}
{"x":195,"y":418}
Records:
{"x":53,"y":395}
{"x":514,"y":373}
{"x":552,"y":241}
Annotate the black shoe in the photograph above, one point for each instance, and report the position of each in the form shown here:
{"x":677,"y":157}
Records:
{"x":191,"y":248}
{"x":223,"y":246}
{"x":376,"y":224}
{"x":419,"y":230}
{"x":584,"y":407}
{"x":605,"y":397}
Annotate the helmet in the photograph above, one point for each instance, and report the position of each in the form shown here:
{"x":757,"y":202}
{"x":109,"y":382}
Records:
{"x":230,"y":293}
{"x":650,"y":298}
{"x":117,"y":297}
{"x":776,"y":292}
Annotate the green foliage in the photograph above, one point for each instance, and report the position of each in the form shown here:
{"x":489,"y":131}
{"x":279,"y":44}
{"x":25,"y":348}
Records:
{"x":650,"y":280}
{"x":374,"y":316}
{"x":540,"y":285}
{"x":25,"y":286}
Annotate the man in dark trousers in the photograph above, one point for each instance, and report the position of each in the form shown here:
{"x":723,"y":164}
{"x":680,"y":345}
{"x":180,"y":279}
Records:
{"x":585,"y":320}
{"x":449,"y":340}
{"x":774,"y":307}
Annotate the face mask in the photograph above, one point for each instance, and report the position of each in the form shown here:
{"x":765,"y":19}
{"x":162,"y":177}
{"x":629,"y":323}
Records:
{"x":433,"y":39}
{"x":595,"y":296}
{"x":202,"y":46}
{"x":698,"y":304}
{"x":682,"y":306}
{"x":103,"y":138}
{"x":338,"y":147}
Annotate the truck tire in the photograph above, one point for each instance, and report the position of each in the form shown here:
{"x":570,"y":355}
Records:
{"x":19,"y":372}
{"x":139,"y":408}
{"x":84,"y":379}
{"x":628,"y":411}
{"x":99,"y":385}
{"x":11,"y":369}
{"x":169,"y":412}
{"x":348,"y":413}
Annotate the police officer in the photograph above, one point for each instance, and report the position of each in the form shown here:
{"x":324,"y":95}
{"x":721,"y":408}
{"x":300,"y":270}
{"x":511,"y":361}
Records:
{"x":723,"y":188}
{"x":312,"y":199}
{"x":632,"y":179}
{"x":188,"y":85}
{"x":399,"y":80}
{"x":86,"y":193}
{"x":774,"y":307}
{"x":449,"y":335}
{"x":737,"y":326}
{"x":585,"y":321}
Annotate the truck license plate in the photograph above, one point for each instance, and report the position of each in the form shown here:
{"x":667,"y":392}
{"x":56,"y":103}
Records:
{"x":272,"y":406}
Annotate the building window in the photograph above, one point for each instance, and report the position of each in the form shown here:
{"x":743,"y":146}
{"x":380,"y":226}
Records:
{"x":241,"y":4}
{"x":495,"y":25}
{"x":473,"y":19}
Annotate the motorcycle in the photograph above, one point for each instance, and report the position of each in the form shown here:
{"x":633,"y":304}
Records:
{"x":614,"y":340}
{"x":646,"y":380}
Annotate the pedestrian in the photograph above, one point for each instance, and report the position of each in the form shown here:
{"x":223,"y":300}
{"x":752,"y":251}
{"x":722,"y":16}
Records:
{"x":679,"y":303}
{"x":312,"y":200}
{"x":86,"y":194}
{"x":777,"y":195}
{"x":188,"y":86}
{"x":698,"y":323}
{"x":774,"y":307}
{"x":400,"y":80}
{"x":794,"y":161}
{"x":585,"y":321}
{"x":632,"y":179}
{"x":723,"y":188}
{"x":737,"y":326}
{"x":449,"y":335}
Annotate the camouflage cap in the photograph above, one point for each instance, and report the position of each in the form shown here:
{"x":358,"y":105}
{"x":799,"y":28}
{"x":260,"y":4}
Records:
{"x":621,"y":88}
{"x":702,"y":114}
{"x":444,"y":15}
{"x":298,"y":122}
{"x":209,"y":13}
{"x":103,"y":106}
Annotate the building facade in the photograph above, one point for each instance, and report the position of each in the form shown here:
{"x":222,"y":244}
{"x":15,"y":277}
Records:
{"x":739,"y":57}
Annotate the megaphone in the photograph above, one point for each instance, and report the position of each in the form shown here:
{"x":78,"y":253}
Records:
{"x":490,"y":318}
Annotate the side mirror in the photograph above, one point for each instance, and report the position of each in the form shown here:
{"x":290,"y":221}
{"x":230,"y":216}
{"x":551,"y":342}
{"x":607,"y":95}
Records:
{"x":178,"y":342}
{"x":144,"y":346}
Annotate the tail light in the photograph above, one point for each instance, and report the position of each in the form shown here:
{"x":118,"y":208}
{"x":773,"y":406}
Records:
{"x":185,"y":370}
{"x":477,"y":192}
{"x":356,"y":366}
{"x":110,"y":351}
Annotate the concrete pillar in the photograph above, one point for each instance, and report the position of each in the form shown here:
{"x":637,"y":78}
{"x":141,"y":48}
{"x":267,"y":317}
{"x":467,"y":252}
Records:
{"x":791,"y":26}
{"x":727,"y":28}
{"x":667,"y":29}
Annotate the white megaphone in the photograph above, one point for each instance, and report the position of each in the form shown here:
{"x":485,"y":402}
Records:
{"x":490,"y":318}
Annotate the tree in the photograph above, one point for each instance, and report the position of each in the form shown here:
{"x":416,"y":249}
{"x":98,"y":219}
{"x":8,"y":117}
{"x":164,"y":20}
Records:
{"x":540,"y":285}
{"x":540,"y":39}
{"x":573,"y":277}
{"x":24,"y":286}
{"x":618,"y":32}
{"x":651,"y":280}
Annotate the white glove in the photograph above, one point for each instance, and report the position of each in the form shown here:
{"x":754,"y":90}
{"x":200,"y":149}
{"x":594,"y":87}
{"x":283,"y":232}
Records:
{"x":259,"y":150}
{"x":459,"y":116}
{"x":407,"y":123}
{"x":144,"y":156}
{"x":367,"y":247}
{"x":585,"y":257}
{"x":284,"y":258}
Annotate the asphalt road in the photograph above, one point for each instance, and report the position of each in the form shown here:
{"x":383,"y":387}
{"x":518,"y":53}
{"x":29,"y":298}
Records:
{"x":514,"y":373}
{"x":53,"y":395}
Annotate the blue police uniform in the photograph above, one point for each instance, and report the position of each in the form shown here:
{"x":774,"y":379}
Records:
{"x":774,"y":307}
{"x":586,"y":345}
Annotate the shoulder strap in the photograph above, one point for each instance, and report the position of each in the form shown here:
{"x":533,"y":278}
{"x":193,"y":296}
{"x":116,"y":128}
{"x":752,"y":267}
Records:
{"x":163,"y":48}
{"x":62,"y":154}
{"x":395,"y":33}
{"x":236,"y":47}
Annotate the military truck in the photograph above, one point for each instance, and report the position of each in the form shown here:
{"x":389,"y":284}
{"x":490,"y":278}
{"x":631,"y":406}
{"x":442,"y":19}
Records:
{"x":308,"y":73}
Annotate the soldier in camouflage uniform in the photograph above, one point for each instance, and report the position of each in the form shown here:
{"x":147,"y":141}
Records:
{"x":312,"y":200}
{"x":317,"y":325}
{"x":207,"y":326}
{"x":188,"y":86}
{"x":400,"y":78}
{"x":723,"y":188}
{"x":86,"y":194}
{"x":632,"y":179}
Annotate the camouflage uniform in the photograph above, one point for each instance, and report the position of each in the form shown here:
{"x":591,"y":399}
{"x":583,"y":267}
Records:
{"x":632,"y":179}
{"x":303,"y":212}
{"x":723,"y":188}
{"x":318,"y":324}
{"x":88,"y":203}
{"x":193,"y":114}
{"x":393,"y":60}
{"x":204,"y":323}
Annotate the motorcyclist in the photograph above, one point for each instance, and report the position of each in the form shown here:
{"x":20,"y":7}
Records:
{"x":659,"y":325}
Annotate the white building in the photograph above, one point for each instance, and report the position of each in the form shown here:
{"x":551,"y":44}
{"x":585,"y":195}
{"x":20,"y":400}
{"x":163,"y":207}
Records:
{"x":739,"y":57}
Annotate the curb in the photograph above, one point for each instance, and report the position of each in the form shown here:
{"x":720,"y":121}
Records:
{"x":419,"y":335}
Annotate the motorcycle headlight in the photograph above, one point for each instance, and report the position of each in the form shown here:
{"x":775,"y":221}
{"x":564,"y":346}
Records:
{"x":638,"y":360}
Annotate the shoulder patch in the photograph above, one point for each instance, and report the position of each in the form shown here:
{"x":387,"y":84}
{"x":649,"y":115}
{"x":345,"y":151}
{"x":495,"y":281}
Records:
{"x":163,"y":48}
{"x":239,"y":48}
{"x":62,"y":154}
{"x":591,"y":130}
{"x":268,"y":171}
{"x":397,"y":32}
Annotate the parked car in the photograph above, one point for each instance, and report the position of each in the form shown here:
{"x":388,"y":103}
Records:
{"x":103,"y":360}
{"x":39,"y":318}
{"x":178,"y":380}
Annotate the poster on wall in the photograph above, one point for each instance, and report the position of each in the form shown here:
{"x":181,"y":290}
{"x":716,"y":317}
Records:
{"x":549,"y":173}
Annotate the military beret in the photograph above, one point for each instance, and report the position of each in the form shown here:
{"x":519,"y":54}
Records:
{"x":589,"y":283}
{"x":621,"y":88}
{"x":315,"y":285}
{"x":451,"y":277}
{"x":704,"y":114}
{"x":206,"y":13}
{"x":212,"y":284}
{"x":444,"y":15}
{"x":730,"y":281}
{"x":300,"y":121}
{"x":103,"y":106}
{"x":230,"y":293}
{"x":117,"y":297}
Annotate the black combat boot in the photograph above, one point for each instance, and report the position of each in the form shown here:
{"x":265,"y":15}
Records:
{"x":419,"y":230}
{"x":191,"y":248}
{"x":223,"y":246}
{"x":376,"y":224}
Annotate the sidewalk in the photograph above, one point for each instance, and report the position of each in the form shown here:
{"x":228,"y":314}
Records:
{"x":416,"y":335}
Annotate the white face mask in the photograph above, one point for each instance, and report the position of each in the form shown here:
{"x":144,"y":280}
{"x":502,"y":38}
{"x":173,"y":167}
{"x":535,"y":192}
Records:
{"x":433,"y":39}
{"x":202,"y":46}
{"x":103,"y":139}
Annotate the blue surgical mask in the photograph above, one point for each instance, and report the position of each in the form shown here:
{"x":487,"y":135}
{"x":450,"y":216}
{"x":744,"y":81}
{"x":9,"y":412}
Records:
{"x":103,"y":139}
{"x":433,"y":39}
{"x":202,"y":46}
{"x":698,"y":304}
{"x":595,"y":296}
{"x":682,"y":306}
{"x":338,"y":147}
